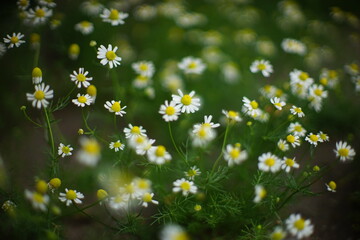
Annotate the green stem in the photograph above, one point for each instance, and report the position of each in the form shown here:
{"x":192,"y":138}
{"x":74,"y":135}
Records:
{"x":173,"y":142}
{"x":116,"y":84}
{"x":85,"y":121}
{"x":28,"y":118}
{"x":222,"y":149}
{"x":51,"y":142}
{"x":36,"y":57}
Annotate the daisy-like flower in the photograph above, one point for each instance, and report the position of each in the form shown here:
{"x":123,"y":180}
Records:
{"x":47,"y":3}
{"x":117,"y":146}
{"x":64,"y":150}
{"x":323,"y":136}
{"x":92,"y":7}
{"x":158,"y":155}
{"x":329,"y":78}
{"x":298,"y":76}
{"x":293,"y":140}
{"x":85,"y":27}
{"x":39,"y":15}
{"x":202,"y":135}
{"x":344,"y":151}
{"x":142,"y":185}
{"x":331,"y":186}
{"x":277,"y":103}
{"x":14,"y":40}
{"x":23,"y":4}
{"x":142,"y":81}
{"x":317,"y":91}
{"x":269,"y":162}
{"x":283,"y":145}
{"x":113,"y":16}
{"x":251,"y":108}
{"x":82,"y":100}
{"x":313,"y":139}
{"x":173,"y":232}
{"x":296,"y":129}
{"x":260,"y":193}
{"x":54,"y":183}
{"x":38,"y":200}
{"x":90,"y":151}
{"x":170,"y":111}
{"x":262,"y":66}
{"x":353,"y":69}
{"x":234,"y":155}
{"x":92,"y":91}
{"x":36,"y":75}
{"x":298,"y":226}
{"x":297,"y":111}
{"x":129,"y":191}
{"x":147,"y":198}
{"x":115,"y":107}
{"x":120,"y":201}
{"x":232,"y":116}
{"x":288,"y":163}
{"x":293,"y":46}
{"x":144,"y":68}
{"x":71,"y":196}
{"x":74,"y":51}
{"x":278,"y":233}
{"x":141,"y":144}
{"x":192,"y":65}
{"x":133,"y":131}
{"x":207,"y":122}
{"x":80,"y":78}
{"x":41,"y":96}
{"x":108,"y":56}
{"x":192,"y":173}
{"x":184,"y":186}
{"x":188,"y":103}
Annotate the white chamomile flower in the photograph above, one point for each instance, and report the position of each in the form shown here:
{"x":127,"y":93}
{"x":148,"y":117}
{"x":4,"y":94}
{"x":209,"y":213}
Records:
{"x":85,"y":27}
{"x":14,"y":40}
{"x":64,"y":150}
{"x":288,"y":163}
{"x":232,"y":116}
{"x":293,"y":140}
{"x":278,"y":233}
{"x":172,"y":231}
{"x":283,"y":145}
{"x":192,"y":173}
{"x":201,"y":135}
{"x":331,"y":186}
{"x":41,"y":96}
{"x":90,"y":151}
{"x":297,"y":111}
{"x":184,"y":186}
{"x":158,"y":155}
{"x":36,"y":75}
{"x":23,"y":4}
{"x":296,"y":129}
{"x":113,"y":16}
{"x":81,"y":78}
{"x":71,"y":196}
{"x":234,"y":155}
{"x":344,"y":151}
{"x":298,"y":226}
{"x":353,"y":69}
{"x":170,"y":111}
{"x":323,"y":136}
{"x":108,"y":56}
{"x":187,"y":102}
{"x":277,"y":103}
{"x":39,"y":15}
{"x":120,"y":201}
{"x":298,"y":76}
{"x":293,"y":46}
{"x":313,"y":139}
{"x":132,"y":131}
{"x":117,"y":146}
{"x":115,"y":107}
{"x":47,"y":3}
{"x":141,"y":144}
{"x":38,"y":200}
{"x":207,"y":122}
{"x":317,"y":91}
{"x":329,"y":78}
{"x":251,"y":108}
{"x":92,"y":7}
{"x":262,"y":66}
{"x":82,"y":100}
{"x":269,"y":162}
{"x":144,"y":68}
{"x":192,"y":65}
{"x":147,"y":198}
{"x":260,"y":193}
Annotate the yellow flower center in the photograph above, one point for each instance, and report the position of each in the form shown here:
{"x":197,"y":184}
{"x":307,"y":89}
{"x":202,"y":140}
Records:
{"x":181,"y":236}
{"x":40,"y":13}
{"x":37,"y":197}
{"x":289,"y":162}
{"x":117,"y":144}
{"x":278,"y":105}
{"x":14,"y":39}
{"x":118,"y":199}
{"x":354,"y":66}
{"x":92,"y":147}
{"x":41,"y":186}
{"x":71,"y":195}
{"x":143,"y":184}
{"x":270,"y":162}
{"x":324,"y":81}
{"x":185,"y":186}
{"x":114,"y":14}
{"x":297,"y":128}
{"x":160,"y":151}
{"x":298,"y":110}
{"x":303,"y":76}
{"x":101,"y":194}
{"x":314,"y":138}
{"x":82,"y":99}
{"x":85,"y":24}
{"x":332,"y":185}
{"x":140,"y":139}
{"x":36,"y":72}
{"x":23,"y":3}
{"x":344,"y":152}
{"x":233,"y":114}
{"x":170,"y":110}
{"x":65,"y":149}
{"x":262,"y":193}
{"x":332,"y":74}
{"x":191,"y":173}
{"x":143,"y":67}
{"x":130,"y":188}
{"x":202,"y":133}
{"x":318,"y":92}
{"x":186,"y":100}
{"x":277,"y":236}
{"x":80,"y":77}
{"x":254,"y":104}
{"x":110,"y":55}
{"x":147,"y":197}
{"x":135,"y":130}
{"x":299,"y":224}
{"x":91,"y":90}
{"x":116,"y":107}
{"x":74,"y":49}
{"x":234,"y":153}
{"x":261,"y":66}
{"x":323,"y":136}
{"x":192,"y":65}
{"x":39,"y":95}
{"x":142,"y":78}
{"x":55,"y":182}
{"x":290,"y":138}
